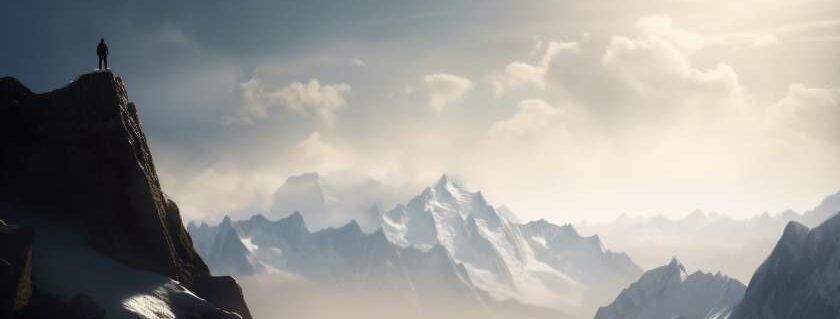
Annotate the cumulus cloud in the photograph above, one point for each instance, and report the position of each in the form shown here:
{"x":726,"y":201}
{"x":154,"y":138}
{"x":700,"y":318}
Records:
{"x":308,"y":99}
{"x":811,"y":113}
{"x":658,"y":67}
{"x":531,"y":120}
{"x":445,"y":89}
{"x":519,"y":73}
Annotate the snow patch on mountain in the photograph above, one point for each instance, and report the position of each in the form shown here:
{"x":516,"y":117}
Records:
{"x":508,"y":259}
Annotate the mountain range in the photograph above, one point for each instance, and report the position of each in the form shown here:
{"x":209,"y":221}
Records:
{"x":447,"y":238}
{"x":492,"y":257}
{"x":707,"y":241}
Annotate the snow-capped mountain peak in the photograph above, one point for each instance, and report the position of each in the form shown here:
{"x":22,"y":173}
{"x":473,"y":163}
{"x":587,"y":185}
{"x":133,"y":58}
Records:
{"x":507,"y":259}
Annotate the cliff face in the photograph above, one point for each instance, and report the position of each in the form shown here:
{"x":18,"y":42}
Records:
{"x":800,"y":278}
{"x":80,"y":151}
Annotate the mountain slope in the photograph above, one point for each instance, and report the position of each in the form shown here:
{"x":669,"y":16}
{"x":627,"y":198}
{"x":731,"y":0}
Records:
{"x":75,"y":161}
{"x":348,"y":258}
{"x":800,"y":278}
{"x":669,"y":292}
{"x":536,"y":263}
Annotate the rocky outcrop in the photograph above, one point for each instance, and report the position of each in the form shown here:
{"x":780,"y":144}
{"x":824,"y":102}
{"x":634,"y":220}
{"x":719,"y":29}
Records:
{"x":80,"y":152}
{"x":222,"y":291}
{"x":15,"y":268}
{"x":668,"y":292}
{"x":800,"y":278}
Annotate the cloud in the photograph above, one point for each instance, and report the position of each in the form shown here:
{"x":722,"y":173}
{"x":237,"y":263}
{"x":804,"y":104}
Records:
{"x":314,"y":98}
{"x":445,"y":89}
{"x":658,"y":67}
{"x":359,"y":62}
{"x":308,"y":99}
{"x":531,"y":120}
{"x":818,"y":31}
{"x":221,"y":190}
{"x":519,"y":73}
{"x":661,"y":27}
{"x":765,"y":40}
{"x":315,"y":154}
{"x":811,"y":113}
{"x":808,"y":26}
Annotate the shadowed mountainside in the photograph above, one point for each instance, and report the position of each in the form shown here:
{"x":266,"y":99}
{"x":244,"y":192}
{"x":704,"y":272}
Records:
{"x":78,"y":154}
{"x":800,"y":278}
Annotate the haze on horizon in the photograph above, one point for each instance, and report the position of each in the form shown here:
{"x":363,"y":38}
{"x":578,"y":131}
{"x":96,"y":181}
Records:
{"x":558,"y":109}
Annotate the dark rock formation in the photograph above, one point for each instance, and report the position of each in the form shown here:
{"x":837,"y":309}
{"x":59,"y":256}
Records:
{"x":15,"y":268}
{"x":800,"y":278}
{"x":80,"y":150}
{"x":224,"y":292}
{"x":46,"y":306}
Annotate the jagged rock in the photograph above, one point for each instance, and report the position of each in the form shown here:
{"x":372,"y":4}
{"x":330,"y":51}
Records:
{"x":182,"y":242}
{"x":224,"y":292}
{"x":15,"y":268}
{"x":80,"y":151}
{"x":800,"y":278}
{"x":228,"y":254}
{"x":668,"y":292}
{"x":12,"y":91}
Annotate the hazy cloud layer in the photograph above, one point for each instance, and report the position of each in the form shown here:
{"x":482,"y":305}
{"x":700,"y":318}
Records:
{"x":445,"y":89}
{"x":520,"y":73}
{"x":560,"y":110}
{"x":307,"y":99}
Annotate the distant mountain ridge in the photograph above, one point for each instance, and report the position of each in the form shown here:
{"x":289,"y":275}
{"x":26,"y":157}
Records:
{"x":343,"y":258}
{"x":708,"y":241}
{"x":477,"y":252}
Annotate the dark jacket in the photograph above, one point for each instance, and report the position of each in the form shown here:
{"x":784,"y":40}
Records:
{"x":102,"y":49}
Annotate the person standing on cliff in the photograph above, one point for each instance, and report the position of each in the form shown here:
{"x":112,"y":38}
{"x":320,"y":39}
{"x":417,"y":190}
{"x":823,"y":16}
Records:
{"x":102,"y":52}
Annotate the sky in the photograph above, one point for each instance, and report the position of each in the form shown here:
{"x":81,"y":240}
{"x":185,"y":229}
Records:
{"x":564,"y":110}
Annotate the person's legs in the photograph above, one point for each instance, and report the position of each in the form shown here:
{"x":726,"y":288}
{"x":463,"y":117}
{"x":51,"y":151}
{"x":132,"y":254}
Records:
{"x":106,"y":62}
{"x":100,"y":63}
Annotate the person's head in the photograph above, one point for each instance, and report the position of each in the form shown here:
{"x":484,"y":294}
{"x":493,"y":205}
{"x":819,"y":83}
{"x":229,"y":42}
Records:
{"x":102,"y":40}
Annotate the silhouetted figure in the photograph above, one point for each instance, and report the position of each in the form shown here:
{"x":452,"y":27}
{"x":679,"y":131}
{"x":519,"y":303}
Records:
{"x":102,"y":52}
